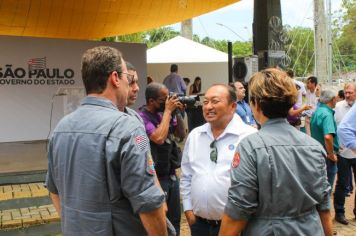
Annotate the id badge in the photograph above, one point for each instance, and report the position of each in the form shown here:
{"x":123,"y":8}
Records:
{"x":248,"y":119}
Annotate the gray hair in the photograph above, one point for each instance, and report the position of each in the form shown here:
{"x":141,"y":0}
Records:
{"x":152,"y":90}
{"x":327,"y":95}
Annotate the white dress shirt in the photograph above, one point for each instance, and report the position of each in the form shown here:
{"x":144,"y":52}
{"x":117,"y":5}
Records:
{"x":312,"y":100}
{"x":204,"y":184}
{"x":301,"y":92}
{"x":341,"y":109}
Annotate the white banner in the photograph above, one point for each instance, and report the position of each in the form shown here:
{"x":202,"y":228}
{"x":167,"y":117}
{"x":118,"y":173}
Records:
{"x":36,"y":71}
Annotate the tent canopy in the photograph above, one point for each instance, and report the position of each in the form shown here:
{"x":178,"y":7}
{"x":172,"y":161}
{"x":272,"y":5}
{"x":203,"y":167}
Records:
{"x":182,"y":50}
{"x":90,"y":19}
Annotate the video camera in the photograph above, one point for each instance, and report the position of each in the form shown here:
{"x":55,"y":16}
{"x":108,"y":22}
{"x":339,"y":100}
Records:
{"x":189,"y":101}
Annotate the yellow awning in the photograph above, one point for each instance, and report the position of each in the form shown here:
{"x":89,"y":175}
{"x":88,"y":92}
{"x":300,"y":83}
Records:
{"x":90,"y":19}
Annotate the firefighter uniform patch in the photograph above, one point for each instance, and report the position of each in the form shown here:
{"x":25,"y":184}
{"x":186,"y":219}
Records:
{"x":150,"y":168}
{"x":236,"y":161}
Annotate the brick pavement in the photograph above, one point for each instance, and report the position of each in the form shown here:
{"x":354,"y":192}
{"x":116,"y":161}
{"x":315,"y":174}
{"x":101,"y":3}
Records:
{"x":27,"y":216}
{"x":350,"y":229}
{"x":15,"y":191}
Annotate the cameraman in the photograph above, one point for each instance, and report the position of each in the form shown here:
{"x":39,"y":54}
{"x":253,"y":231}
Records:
{"x":161,"y":122}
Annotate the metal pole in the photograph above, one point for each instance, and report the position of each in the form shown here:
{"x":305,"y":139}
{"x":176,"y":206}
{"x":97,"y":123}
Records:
{"x":330,"y":52}
{"x":229,"y":51}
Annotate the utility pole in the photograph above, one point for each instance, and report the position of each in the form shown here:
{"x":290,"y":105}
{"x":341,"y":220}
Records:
{"x":269,"y":36}
{"x":320,"y":41}
{"x":186,"y":29}
{"x":330,"y":46}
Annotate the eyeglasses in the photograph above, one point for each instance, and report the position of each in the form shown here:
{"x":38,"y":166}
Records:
{"x":213,"y":152}
{"x":130,"y":78}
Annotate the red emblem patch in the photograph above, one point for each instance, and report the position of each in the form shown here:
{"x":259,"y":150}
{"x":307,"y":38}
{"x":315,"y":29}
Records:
{"x":236,"y":161}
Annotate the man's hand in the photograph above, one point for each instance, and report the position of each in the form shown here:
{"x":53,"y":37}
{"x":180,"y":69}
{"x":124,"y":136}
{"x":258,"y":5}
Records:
{"x":56,"y":202}
{"x":190,"y":217}
{"x":306,"y":107}
{"x":155,"y":222}
{"x":332,"y":157}
{"x":172,"y":103}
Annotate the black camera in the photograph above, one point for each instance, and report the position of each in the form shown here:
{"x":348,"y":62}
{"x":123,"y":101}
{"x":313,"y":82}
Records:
{"x":189,"y":101}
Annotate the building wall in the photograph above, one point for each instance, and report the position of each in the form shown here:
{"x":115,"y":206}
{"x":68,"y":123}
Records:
{"x":26,"y":108}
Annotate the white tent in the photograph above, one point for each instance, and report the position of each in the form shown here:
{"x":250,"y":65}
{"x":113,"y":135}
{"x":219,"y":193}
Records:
{"x":193,"y":59}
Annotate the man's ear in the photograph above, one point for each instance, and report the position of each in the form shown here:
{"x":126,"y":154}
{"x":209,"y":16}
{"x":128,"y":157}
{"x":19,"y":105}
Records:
{"x":150,"y":100}
{"x":234,"y":105}
{"x":114,"y":79}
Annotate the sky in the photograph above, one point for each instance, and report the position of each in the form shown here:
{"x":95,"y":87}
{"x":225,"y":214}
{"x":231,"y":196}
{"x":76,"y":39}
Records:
{"x":237,"y":19}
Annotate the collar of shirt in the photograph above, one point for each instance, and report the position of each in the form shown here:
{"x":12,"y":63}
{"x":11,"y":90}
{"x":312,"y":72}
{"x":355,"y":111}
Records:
{"x":345,"y":104}
{"x":230,"y":128}
{"x":275,"y":121}
{"x":327,"y":108}
{"x":241,"y":102}
{"x":98,"y":101}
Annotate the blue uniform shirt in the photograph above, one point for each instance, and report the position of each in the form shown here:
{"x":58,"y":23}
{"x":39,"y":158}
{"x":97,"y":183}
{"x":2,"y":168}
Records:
{"x":279,"y":182}
{"x":244,"y":111}
{"x":99,"y":163}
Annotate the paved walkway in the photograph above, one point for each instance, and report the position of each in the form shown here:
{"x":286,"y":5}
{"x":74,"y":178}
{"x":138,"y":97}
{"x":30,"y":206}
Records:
{"x":350,"y":229}
{"x":25,"y":216}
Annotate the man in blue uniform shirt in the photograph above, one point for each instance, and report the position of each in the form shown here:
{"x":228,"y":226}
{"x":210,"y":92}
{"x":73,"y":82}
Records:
{"x":100,"y":171}
{"x":242,"y":108}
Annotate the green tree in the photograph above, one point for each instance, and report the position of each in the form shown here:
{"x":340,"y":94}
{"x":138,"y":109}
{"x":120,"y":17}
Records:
{"x":344,"y":46}
{"x":300,"y":49}
{"x":242,"y":49}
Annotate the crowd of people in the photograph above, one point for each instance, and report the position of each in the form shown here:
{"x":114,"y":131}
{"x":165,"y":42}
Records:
{"x":248,"y":170}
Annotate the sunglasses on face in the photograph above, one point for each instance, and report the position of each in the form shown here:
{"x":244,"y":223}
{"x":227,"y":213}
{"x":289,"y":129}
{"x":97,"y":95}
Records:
{"x":213,"y":152}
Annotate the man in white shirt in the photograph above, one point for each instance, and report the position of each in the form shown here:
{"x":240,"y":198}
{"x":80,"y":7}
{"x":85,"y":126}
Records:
{"x":207,"y":158}
{"x":346,"y":158}
{"x":301,"y":90}
{"x":311,"y":100}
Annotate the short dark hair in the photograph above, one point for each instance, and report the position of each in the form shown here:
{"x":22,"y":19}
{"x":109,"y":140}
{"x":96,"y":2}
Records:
{"x":187,"y":80}
{"x":130,"y":66}
{"x":152,"y":90}
{"x":232,"y":85}
{"x":313,"y":79}
{"x":231,"y":92}
{"x":97,"y":64}
{"x":174,"y":68}
{"x":341,"y":94}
